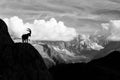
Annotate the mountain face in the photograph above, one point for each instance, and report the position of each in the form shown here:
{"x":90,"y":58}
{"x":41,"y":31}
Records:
{"x":81,"y":49}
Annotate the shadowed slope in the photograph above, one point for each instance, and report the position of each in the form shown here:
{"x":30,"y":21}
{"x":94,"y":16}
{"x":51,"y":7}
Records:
{"x":5,"y":38}
{"x":20,"y":61}
{"x":107,"y":68}
{"x":23,"y":62}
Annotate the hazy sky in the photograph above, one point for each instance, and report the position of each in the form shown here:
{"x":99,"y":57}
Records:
{"x":88,"y":10}
{"x":74,"y":13}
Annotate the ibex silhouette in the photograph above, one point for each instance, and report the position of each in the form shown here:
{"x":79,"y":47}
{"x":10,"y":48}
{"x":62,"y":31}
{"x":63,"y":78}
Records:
{"x":25,"y":36}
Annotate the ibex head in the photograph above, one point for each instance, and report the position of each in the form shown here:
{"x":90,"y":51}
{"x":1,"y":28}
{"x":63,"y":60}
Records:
{"x":28,"y":29}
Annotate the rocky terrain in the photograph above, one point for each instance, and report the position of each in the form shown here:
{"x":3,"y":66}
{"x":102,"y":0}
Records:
{"x":77,"y":50}
{"x":20,"y":61}
{"x":73,"y":60}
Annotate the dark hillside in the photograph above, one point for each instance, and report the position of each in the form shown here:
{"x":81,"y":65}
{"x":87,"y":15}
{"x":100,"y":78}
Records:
{"x":107,"y":68}
{"x":20,"y":61}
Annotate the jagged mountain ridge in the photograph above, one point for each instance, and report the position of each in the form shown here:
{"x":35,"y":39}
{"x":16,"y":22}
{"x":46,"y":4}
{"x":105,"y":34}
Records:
{"x":69,"y":51}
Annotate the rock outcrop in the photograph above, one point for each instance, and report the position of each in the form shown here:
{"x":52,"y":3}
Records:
{"x":20,"y":61}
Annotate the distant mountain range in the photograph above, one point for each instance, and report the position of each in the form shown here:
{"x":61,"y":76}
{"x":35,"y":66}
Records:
{"x":56,"y":52}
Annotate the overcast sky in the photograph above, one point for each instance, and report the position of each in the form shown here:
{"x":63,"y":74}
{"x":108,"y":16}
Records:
{"x":74,"y":13}
{"x":101,"y":10}
{"x":69,"y":10}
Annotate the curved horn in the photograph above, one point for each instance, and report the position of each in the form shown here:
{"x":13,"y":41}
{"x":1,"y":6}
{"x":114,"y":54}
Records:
{"x":28,"y":29}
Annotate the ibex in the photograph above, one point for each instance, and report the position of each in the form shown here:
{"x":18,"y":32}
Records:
{"x":25,"y":36}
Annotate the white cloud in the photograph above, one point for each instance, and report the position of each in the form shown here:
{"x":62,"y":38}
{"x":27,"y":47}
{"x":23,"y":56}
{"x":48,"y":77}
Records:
{"x":41,"y":29}
{"x":114,"y":29}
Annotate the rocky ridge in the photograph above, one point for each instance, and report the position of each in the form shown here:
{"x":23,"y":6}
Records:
{"x":78,"y":50}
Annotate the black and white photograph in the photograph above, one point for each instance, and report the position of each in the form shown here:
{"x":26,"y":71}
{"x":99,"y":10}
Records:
{"x":59,"y":39}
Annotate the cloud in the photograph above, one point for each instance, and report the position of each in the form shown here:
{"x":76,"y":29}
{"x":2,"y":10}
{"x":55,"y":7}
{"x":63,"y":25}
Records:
{"x":113,"y":28}
{"x":55,"y":30}
{"x":41,"y":29}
